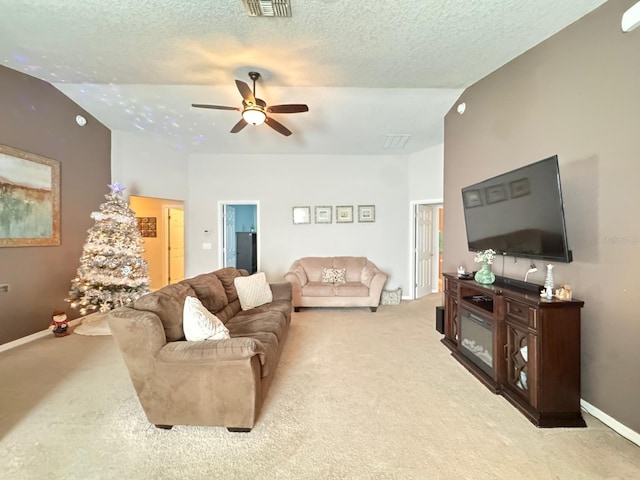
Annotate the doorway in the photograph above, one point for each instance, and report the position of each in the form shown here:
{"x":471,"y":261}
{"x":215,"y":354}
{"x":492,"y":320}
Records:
{"x":426,"y":248}
{"x":239,"y":234}
{"x":164,"y":248}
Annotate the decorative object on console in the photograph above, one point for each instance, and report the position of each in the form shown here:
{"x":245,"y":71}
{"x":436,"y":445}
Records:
{"x":485,"y":258}
{"x":548,"y":282}
{"x":344,"y":214}
{"x":366,"y":213}
{"x":564,"y":292}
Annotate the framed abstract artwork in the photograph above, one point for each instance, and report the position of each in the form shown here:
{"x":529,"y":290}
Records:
{"x":301,"y":215}
{"x":366,"y":213}
{"x":344,"y":214}
{"x":323,"y":214}
{"x":29,"y":199}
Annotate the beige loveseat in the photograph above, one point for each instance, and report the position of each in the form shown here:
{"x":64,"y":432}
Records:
{"x":209,"y":382}
{"x":362,"y":285}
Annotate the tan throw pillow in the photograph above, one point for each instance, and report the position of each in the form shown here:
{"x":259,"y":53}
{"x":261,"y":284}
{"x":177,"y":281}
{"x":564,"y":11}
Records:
{"x":253,"y":290}
{"x":334,"y":275}
{"x":200,"y":324}
{"x":327,"y":275}
{"x":339,"y":275}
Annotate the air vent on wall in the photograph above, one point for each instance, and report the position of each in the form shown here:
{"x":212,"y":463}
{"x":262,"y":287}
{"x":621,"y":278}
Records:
{"x":267,"y":8}
{"x":394,"y":140}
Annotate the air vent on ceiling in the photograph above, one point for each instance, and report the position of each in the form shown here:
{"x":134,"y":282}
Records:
{"x":394,"y":140}
{"x":267,"y":8}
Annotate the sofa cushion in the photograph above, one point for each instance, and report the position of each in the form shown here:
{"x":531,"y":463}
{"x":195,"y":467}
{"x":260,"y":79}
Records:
{"x":246,"y":325}
{"x":367,"y":275}
{"x":168,"y":304}
{"x":353,"y":265}
{"x":227,"y":276}
{"x":352,"y":289}
{"x":282,"y":306}
{"x":209,"y":290}
{"x":253,"y":291}
{"x":200,"y":324}
{"x":313,"y":267}
{"x":318,"y":289}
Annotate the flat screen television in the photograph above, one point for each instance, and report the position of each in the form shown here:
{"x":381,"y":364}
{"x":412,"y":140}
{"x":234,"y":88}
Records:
{"x":519,"y":213}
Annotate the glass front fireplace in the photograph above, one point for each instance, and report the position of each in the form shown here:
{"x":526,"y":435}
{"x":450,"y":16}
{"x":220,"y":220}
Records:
{"x":476,"y":339}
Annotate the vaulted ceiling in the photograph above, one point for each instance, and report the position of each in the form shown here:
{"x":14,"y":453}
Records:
{"x":365,"y":68}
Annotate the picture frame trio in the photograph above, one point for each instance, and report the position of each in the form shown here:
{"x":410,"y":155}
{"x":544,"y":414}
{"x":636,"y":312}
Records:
{"x":496,"y":193}
{"x":343,"y":214}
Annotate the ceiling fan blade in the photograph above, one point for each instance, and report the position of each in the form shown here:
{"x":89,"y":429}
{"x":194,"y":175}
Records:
{"x":239,"y":126}
{"x":291,"y":108}
{"x":245,"y":91}
{"x":214,"y":107}
{"x":277,"y":126}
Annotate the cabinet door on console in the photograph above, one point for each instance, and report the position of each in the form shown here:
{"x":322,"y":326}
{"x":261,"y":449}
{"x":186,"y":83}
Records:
{"x":452,"y":318}
{"x":522,"y":352}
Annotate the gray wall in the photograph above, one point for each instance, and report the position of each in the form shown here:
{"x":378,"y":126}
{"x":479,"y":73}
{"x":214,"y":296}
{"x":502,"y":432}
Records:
{"x":37,"y":118}
{"x":576,"y":95}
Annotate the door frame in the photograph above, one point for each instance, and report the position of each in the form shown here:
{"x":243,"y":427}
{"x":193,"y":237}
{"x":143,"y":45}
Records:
{"x":434,"y":202}
{"x":222,"y":227}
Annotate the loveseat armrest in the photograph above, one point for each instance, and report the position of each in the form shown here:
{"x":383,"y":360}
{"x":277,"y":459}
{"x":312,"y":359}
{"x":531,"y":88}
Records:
{"x":281,"y":291}
{"x":209,"y":351}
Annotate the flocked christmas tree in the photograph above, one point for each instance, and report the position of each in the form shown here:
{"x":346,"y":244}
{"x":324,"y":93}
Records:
{"x":112,"y":271}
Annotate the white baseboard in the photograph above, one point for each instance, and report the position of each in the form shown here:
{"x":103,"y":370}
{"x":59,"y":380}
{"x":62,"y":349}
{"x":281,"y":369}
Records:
{"x":34,"y":336}
{"x":611,"y":422}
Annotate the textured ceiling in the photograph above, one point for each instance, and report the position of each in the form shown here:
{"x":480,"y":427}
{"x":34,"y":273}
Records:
{"x":365,"y":68}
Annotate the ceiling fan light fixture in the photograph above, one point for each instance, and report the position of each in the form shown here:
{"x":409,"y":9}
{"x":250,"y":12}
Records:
{"x":254,"y":115}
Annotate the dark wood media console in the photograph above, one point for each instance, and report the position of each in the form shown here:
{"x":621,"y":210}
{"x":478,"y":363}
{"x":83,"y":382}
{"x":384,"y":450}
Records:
{"x":521,"y":346}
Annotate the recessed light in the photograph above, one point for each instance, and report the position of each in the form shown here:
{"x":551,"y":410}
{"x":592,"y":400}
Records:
{"x":80,"y":120}
{"x":461,"y":108}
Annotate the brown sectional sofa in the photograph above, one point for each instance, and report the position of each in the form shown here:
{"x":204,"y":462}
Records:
{"x":362,"y":288}
{"x":211,"y":382}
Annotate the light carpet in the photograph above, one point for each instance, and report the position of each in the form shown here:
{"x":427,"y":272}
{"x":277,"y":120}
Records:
{"x":357,"y":395}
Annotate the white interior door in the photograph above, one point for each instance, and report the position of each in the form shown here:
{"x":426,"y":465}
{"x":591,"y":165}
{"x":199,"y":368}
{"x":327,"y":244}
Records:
{"x":230,"y":252}
{"x":424,"y":250}
{"x":176,"y":245}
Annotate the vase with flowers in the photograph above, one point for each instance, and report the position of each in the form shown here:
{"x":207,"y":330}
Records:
{"x":485,"y":258}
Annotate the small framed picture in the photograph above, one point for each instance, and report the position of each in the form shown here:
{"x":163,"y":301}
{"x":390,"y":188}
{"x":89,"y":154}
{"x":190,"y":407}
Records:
{"x":366,"y":213}
{"x":495,"y":193}
{"x":472,"y":198}
{"x":344,"y":214}
{"x":323,"y":214}
{"x":301,"y":215}
{"x":519,"y":188}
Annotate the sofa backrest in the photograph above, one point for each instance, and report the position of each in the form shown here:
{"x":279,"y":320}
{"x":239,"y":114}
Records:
{"x":313,"y":266}
{"x":215,"y":290}
{"x":168,"y":304}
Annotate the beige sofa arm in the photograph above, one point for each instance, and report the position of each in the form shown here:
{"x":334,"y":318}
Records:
{"x":377,"y":284}
{"x":205,"y":351}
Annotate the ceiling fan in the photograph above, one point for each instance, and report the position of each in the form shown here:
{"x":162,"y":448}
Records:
{"x":255,"y":110}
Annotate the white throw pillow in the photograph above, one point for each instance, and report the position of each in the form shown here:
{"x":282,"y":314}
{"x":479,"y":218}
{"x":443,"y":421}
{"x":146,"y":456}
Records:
{"x":253,"y":290}
{"x":199,"y":323}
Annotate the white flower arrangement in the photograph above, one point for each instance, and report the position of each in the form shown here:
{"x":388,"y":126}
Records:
{"x":485,"y":256}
